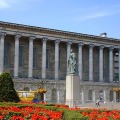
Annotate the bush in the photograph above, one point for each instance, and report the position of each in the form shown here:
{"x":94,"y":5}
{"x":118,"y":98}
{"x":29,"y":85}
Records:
{"x":7,"y":91}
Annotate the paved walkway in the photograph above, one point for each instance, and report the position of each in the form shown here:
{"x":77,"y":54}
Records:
{"x":108,"y":105}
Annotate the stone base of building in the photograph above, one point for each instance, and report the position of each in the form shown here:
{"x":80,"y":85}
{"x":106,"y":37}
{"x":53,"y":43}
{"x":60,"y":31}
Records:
{"x":56,"y":90}
{"x":72,"y":90}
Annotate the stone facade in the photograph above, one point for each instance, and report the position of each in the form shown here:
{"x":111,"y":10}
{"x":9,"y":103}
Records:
{"x":95,"y":55}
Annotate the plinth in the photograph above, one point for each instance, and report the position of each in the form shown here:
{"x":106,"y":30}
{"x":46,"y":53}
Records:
{"x":72,"y":90}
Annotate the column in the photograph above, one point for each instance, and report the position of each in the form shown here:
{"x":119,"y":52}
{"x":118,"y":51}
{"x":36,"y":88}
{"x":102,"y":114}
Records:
{"x":91,"y":62}
{"x":94,"y":96}
{"x":80,"y":59}
{"x":44,"y":58}
{"x":45,"y":100}
{"x":83,"y":97}
{"x":119,"y":66}
{"x":101,"y":63}
{"x":57,"y":59}
{"x":111,"y":64}
{"x":30,"y":69}
{"x":68,"y":51}
{"x":104,"y":95}
{"x":44,"y":97}
{"x":114,"y":96}
{"x":16,"y":57}
{"x":58,"y":97}
{"x":2,"y":37}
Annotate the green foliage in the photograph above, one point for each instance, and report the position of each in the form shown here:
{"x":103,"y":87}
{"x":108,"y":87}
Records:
{"x":7,"y":91}
{"x":73,"y":115}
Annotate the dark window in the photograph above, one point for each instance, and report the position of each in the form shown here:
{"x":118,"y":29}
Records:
{"x":101,"y":95}
{"x":47,"y":58}
{"x":34,"y":57}
{"x":90,"y":95}
{"x":54,"y":95}
{"x":111,"y":96}
{"x":6,"y":54}
{"x":59,"y":59}
{"x":116,"y":77}
{"x":21,"y":57}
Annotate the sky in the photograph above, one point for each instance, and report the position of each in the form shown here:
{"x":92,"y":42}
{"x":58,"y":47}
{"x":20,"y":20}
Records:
{"x":82,"y":16}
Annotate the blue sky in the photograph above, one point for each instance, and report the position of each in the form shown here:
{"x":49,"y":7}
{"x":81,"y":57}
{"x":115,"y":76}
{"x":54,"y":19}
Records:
{"x":83,"y":16}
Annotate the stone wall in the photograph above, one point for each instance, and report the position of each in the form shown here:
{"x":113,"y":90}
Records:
{"x":58,"y":87}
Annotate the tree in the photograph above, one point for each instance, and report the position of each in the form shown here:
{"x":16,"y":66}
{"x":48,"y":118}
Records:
{"x":7,"y":91}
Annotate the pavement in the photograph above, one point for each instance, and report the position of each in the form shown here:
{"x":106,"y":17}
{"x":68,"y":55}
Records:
{"x":108,"y":105}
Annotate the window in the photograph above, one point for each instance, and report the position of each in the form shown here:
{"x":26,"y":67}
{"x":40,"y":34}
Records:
{"x":47,"y":58}
{"x":101,"y":95}
{"x":111,"y":96}
{"x":59,"y":59}
{"x":54,"y":95}
{"x":90,"y":95}
{"x":34,"y":57}
{"x":21,"y":57}
{"x":6,"y":54}
{"x":116,"y":77}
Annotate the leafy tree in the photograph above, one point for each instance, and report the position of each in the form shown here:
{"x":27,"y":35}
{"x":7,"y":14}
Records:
{"x":7,"y":91}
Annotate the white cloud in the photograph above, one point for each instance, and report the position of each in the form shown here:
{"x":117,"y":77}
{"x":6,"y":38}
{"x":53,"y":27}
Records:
{"x":4,"y":4}
{"x":9,"y":3}
{"x":97,"y":13}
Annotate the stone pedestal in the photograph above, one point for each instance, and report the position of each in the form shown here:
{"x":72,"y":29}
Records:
{"x":72,"y":90}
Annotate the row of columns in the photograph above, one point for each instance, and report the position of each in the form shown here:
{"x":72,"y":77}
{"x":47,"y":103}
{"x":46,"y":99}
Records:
{"x":69,"y":43}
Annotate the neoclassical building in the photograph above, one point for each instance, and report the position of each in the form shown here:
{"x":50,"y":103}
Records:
{"x":34,"y":54}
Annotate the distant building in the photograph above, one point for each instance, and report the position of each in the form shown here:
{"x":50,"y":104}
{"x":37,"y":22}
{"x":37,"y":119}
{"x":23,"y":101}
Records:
{"x":31,"y":54}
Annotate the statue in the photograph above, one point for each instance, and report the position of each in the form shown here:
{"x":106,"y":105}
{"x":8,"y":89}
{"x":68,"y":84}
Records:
{"x":72,"y":63}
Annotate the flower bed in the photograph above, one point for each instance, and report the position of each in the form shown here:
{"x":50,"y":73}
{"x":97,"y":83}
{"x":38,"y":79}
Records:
{"x":43,"y":111}
{"x":98,"y":114}
{"x":28,"y":112}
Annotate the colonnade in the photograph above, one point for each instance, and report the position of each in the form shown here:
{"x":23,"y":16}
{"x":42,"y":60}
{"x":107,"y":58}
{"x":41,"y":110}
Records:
{"x":57,"y":41}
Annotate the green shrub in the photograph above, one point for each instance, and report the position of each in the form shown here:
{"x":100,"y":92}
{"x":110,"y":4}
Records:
{"x":7,"y":91}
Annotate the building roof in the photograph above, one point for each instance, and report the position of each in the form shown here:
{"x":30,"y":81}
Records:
{"x":56,"y":31}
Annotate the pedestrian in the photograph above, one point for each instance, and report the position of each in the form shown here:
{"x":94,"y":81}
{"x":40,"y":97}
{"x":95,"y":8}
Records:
{"x":97,"y":103}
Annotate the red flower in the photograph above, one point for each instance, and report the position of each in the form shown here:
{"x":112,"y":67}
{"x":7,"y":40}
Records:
{"x":1,"y":117}
{"x":17,"y":118}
